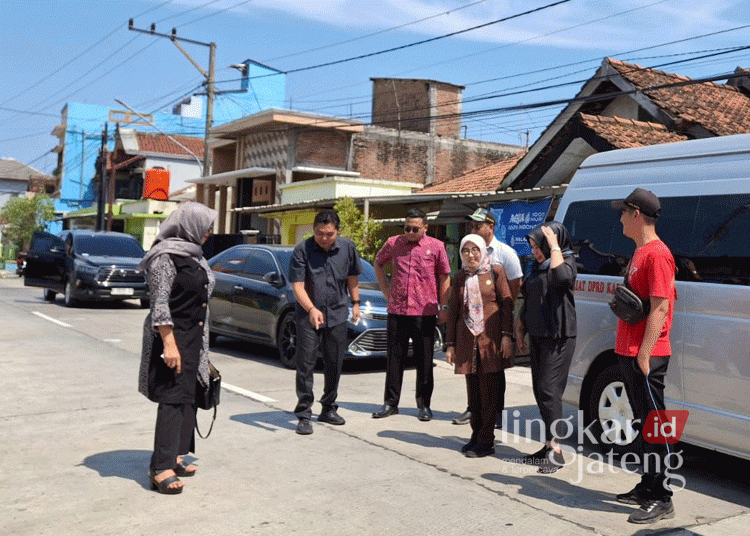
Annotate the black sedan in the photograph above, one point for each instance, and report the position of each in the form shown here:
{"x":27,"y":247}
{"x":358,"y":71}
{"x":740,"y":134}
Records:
{"x":253,"y":300}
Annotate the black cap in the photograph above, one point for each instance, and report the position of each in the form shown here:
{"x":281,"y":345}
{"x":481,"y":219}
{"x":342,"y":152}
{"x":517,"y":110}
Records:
{"x":483,"y":215}
{"x":643,"y":200}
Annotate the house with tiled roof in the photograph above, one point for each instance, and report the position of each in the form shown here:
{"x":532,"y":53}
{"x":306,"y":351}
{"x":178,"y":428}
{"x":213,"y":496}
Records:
{"x":136,"y":152}
{"x":17,"y":178}
{"x":482,"y":179}
{"x":626,"y":105}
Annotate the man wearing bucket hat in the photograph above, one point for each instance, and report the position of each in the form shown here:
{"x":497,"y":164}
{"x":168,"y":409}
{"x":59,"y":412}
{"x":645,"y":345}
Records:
{"x":643,"y":349}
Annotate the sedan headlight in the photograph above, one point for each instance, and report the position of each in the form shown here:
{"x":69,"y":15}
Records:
{"x":367,"y":310}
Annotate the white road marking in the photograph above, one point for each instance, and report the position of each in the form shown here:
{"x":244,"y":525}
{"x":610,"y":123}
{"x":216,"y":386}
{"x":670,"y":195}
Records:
{"x":112,"y":340}
{"x":53,"y":320}
{"x":248,"y":394}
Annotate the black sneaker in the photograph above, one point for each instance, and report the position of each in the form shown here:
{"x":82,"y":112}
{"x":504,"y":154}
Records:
{"x":551,"y":462}
{"x":331,"y":417}
{"x":636,"y":496}
{"x":537,"y":457}
{"x":468,"y":446}
{"x":480,"y":451}
{"x":304,"y":427}
{"x":652,"y":511}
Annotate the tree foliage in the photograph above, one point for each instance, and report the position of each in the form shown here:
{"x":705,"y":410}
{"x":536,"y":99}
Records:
{"x":365,"y":235}
{"x":21,"y":216}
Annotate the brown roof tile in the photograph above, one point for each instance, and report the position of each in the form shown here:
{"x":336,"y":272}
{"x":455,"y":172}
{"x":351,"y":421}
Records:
{"x":719,"y":108}
{"x":483,"y":179}
{"x":624,"y":133}
{"x":159,"y":143}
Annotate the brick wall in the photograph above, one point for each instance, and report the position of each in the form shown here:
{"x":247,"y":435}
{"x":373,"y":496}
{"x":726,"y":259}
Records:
{"x":386,"y":154}
{"x":447,"y":103}
{"x":323,"y":148}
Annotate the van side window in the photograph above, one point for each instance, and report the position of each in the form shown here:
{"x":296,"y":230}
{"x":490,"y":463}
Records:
{"x":597,"y":238}
{"x":720,"y":250}
{"x":706,"y":234}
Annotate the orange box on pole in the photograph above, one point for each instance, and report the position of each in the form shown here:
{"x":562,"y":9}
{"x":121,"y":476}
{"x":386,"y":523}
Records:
{"x":156,"y":184}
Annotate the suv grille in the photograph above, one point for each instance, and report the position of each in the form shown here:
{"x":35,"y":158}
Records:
{"x":113,"y":274}
{"x":373,"y":340}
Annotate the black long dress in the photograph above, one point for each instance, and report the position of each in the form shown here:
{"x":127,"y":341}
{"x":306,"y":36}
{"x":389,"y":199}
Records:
{"x":188,"y":305}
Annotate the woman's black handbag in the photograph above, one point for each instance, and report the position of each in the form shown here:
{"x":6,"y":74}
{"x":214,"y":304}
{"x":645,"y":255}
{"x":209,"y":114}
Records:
{"x":207,"y":396}
{"x":628,"y":306}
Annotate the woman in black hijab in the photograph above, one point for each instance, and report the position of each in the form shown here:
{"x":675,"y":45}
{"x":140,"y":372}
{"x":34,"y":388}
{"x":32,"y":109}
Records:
{"x":174,"y":357}
{"x":548,"y":316}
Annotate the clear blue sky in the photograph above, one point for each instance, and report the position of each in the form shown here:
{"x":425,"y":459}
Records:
{"x":40,"y":41}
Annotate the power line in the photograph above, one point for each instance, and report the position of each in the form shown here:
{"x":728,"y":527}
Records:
{"x":416,"y":43}
{"x":380,"y":32}
{"x":110,"y":34}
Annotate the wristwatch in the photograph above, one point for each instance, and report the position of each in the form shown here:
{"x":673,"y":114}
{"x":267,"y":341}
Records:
{"x":442,"y":307}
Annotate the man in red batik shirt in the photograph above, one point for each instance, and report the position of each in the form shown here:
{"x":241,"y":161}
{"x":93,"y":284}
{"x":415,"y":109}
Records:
{"x":418,"y":291}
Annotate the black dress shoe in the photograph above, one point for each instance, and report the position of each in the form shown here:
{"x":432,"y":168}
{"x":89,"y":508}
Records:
{"x":480,"y":451}
{"x":464,"y":418}
{"x":331,"y":417}
{"x":636,"y":496}
{"x":537,"y":457}
{"x":468,"y":446}
{"x":304,"y":427}
{"x":425,"y":414}
{"x":385,"y":411}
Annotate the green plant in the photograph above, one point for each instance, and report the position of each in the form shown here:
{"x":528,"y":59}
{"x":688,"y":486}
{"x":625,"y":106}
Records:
{"x":366,"y":235}
{"x":21,"y":216}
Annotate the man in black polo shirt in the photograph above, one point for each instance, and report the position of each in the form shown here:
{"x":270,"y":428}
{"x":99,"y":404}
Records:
{"x":323,"y":267}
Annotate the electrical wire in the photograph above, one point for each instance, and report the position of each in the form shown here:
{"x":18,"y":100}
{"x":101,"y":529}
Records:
{"x":373,"y":34}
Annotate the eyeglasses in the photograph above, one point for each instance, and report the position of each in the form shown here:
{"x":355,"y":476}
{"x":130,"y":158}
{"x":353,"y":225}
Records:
{"x":473,"y":251}
{"x":408,"y":229}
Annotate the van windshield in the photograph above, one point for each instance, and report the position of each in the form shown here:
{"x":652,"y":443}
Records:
{"x":108,"y":246}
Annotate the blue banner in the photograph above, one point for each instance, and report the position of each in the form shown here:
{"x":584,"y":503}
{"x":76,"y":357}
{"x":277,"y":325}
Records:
{"x":514,"y":220}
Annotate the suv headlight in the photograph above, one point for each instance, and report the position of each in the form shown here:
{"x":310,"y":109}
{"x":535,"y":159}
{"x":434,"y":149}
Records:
{"x":87,"y":271}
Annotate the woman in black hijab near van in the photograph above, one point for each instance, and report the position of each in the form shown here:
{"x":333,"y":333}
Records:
{"x":175,"y":339}
{"x":548,"y":316}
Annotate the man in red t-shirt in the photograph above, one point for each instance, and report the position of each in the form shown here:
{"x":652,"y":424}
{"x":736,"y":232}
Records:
{"x":643,"y":349}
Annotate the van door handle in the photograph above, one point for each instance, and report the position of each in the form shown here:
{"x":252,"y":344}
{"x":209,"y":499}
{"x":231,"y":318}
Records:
{"x":238,"y":287}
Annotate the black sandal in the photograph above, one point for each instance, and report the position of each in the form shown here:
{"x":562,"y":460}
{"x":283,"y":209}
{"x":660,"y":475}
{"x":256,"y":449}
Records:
{"x":181,"y":469}
{"x":163,"y":486}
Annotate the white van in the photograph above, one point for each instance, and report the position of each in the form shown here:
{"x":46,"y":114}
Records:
{"x":704,"y":188}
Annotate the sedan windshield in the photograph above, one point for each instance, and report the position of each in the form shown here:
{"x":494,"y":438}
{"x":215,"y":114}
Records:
{"x":108,"y":246}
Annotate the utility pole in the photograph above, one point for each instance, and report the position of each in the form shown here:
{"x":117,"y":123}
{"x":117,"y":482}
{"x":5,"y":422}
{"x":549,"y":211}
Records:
{"x":210,"y":90}
{"x":103,"y":175}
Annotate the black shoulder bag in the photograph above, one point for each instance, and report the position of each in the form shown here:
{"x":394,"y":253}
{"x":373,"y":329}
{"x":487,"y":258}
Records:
{"x":207,"y":396}
{"x":628,"y":306}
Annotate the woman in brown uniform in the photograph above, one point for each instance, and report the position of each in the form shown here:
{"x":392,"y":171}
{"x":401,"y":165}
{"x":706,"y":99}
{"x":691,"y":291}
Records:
{"x":479,"y":344}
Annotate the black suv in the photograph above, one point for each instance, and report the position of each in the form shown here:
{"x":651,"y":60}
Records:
{"x":86,"y":265}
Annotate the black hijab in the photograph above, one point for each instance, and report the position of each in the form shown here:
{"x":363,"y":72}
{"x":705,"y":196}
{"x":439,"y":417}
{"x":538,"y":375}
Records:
{"x":563,"y":240}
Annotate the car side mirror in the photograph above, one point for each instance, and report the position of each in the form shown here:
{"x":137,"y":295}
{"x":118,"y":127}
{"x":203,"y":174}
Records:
{"x":274,"y":278}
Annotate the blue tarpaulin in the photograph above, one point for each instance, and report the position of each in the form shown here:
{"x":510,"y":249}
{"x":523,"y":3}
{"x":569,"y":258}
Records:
{"x":514,"y":220}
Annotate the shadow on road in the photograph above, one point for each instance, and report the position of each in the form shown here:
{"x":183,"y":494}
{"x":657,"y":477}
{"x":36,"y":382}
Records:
{"x":127,"y":464}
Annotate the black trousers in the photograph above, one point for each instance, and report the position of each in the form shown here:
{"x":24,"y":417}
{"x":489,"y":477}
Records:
{"x":421,"y":331}
{"x":500,"y":397}
{"x":174,"y":435}
{"x":646,"y":393}
{"x":550,"y":362}
{"x":333,"y":343}
{"x":483,"y":389}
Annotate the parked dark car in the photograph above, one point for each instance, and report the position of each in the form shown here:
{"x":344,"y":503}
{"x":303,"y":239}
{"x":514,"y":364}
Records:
{"x":86,"y":265}
{"x":253,"y":300}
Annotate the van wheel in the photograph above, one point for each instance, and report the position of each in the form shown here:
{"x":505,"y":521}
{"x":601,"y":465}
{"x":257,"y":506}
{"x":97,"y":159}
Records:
{"x":287,"y":341}
{"x":48,"y":295}
{"x":611,"y":413}
{"x":68,"y":299}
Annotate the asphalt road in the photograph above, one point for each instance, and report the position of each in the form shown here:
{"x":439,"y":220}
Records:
{"x":76,"y":438}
